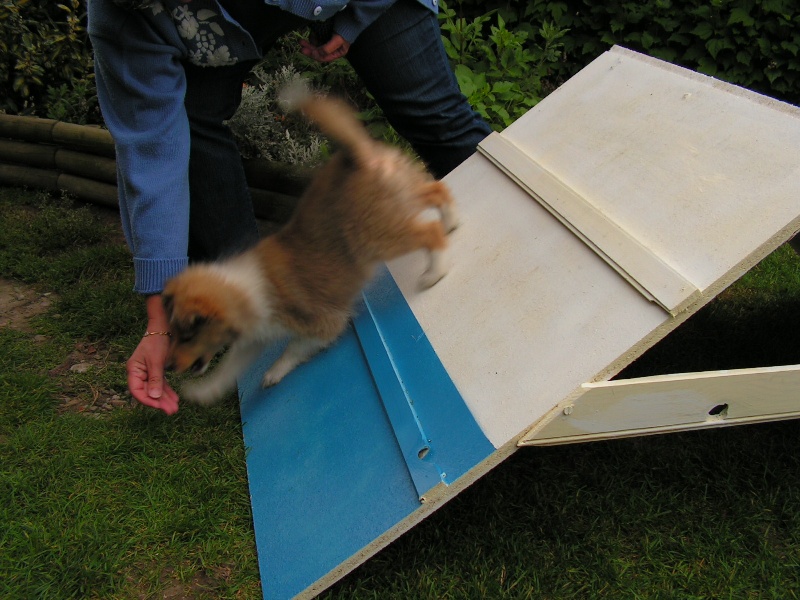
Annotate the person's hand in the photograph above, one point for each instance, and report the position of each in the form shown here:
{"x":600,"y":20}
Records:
{"x":145,"y":367}
{"x":334,"y":49}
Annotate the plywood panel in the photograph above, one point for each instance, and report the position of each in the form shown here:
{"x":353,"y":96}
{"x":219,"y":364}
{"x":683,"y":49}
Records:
{"x":703,"y":171}
{"x":631,"y":258}
{"x":511,"y":319}
{"x":704,"y":174}
{"x":678,"y":402}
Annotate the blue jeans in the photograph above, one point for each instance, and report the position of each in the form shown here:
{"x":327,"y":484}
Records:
{"x":401,"y":61}
{"x":221,"y":217}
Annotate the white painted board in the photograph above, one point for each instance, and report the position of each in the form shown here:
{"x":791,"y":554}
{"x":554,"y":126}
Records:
{"x":676,"y":402}
{"x":704,"y":174}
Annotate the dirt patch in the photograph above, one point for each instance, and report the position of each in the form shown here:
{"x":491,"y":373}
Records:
{"x":19,"y":303}
{"x":201,"y":583}
{"x":86,"y":397}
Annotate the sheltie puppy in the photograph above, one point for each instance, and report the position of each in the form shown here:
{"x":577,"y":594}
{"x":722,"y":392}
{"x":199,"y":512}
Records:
{"x":363,"y":207}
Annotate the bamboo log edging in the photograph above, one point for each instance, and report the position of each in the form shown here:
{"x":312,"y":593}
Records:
{"x":43,"y":156}
{"x":78,"y":137}
{"x":90,"y":190}
{"x":80,"y":160}
{"x":284,"y":178}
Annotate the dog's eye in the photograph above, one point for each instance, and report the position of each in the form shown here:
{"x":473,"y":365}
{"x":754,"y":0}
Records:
{"x":188,"y":331}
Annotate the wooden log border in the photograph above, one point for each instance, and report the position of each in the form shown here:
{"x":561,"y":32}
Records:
{"x":80,"y":160}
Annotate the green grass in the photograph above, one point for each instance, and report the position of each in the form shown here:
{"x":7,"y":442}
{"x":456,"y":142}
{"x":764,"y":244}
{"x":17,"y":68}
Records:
{"x":751,"y":324}
{"x":711,"y":514}
{"x":135,"y":504}
{"x":97,"y":508}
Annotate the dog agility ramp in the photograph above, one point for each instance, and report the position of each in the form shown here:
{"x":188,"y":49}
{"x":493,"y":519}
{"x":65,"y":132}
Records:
{"x":591,"y":228}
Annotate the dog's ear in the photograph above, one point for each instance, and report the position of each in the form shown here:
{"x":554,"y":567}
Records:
{"x":169,"y":304}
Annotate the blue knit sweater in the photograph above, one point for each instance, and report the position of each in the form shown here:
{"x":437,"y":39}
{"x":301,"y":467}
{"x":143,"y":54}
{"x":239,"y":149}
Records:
{"x":139,"y":57}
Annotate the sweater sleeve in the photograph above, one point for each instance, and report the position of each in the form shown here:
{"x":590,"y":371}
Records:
{"x":140,"y":87}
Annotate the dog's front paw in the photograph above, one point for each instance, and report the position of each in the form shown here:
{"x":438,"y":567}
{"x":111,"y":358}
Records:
{"x":272,"y":377}
{"x":282,"y":367}
{"x":200,"y":393}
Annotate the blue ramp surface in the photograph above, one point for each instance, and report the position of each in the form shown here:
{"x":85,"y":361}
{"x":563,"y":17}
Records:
{"x":346,"y":448}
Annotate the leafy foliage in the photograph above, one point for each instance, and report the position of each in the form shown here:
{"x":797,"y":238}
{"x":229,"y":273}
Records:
{"x":501,"y":71}
{"x":74,"y":102}
{"x":751,"y":43}
{"x":507,"y":54}
{"x":44,"y":47}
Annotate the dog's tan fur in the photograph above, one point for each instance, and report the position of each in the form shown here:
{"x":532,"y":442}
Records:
{"x":362,"y":208}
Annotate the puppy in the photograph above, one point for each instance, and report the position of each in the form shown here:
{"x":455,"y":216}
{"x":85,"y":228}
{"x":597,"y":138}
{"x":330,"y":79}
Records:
{"x":362,"y":208}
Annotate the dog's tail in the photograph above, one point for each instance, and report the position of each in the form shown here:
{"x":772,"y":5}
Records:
{"x":333,"y":116}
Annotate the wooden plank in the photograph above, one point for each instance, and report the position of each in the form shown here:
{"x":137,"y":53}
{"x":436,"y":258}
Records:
{"x":668,"y":403}
{"x":703,"y":173}
{"x":655,"y":279}
{"x":677,"y":159}
{"x":38,"y":156}
{"x":508,"y":320}
{"x":31,"y":129}
{"x":89,"y":189}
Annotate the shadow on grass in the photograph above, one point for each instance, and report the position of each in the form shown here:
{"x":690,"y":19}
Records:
{"x":713,"y":339}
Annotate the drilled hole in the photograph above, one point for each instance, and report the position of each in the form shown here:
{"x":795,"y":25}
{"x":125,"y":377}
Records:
{"x":423,"y":452}
{"x":720,"y":410}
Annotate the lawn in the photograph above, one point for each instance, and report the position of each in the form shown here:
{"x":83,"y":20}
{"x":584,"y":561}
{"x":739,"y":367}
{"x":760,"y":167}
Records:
{"x":103,"y":499}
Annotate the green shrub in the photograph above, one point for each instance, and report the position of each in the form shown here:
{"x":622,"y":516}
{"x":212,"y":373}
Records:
{"x":74,"y":102}
{"x":751,"y":43}
{"x":507,"y":53}
{"x":502,"y":71}
{"x":44,"y":46}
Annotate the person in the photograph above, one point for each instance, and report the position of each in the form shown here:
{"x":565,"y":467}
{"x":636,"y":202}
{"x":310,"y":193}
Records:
{"x":169,"y":74}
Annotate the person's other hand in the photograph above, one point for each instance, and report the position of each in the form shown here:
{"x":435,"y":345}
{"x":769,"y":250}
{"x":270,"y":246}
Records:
{"x":334,"y":49}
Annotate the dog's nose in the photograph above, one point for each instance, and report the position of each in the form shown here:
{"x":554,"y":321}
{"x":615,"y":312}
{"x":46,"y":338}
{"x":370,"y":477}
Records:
{"x":198,"y":365}
{"x":169,"y":366}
